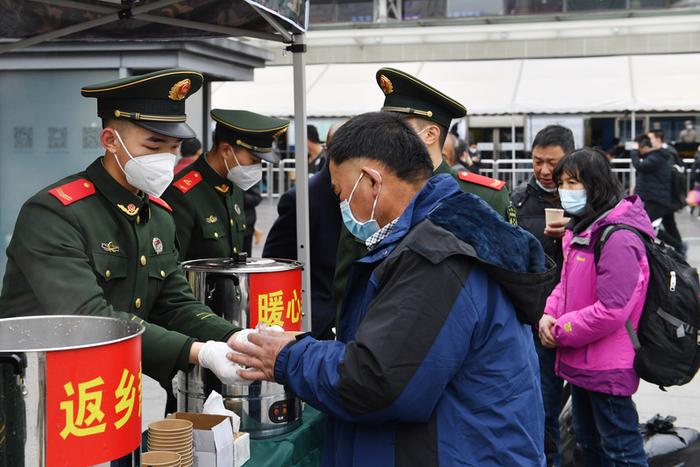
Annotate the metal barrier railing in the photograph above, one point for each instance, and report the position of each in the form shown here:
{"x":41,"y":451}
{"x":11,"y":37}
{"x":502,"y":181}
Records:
{"x":277,"y":179}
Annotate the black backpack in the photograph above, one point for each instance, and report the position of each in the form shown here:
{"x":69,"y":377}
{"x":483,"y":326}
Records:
{"x":667,"y":343}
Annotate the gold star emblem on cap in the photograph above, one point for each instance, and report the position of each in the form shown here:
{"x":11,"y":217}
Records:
{"x":386,"y":85}
{"x":180,"y":89}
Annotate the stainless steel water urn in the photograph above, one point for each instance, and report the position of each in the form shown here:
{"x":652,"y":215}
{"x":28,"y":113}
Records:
{"x":246,"y":291}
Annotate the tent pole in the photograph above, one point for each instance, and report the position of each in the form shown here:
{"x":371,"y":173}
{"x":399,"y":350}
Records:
{"x":512,"y":148}
{"x":298,"y":49}
{"x":634,"y":126}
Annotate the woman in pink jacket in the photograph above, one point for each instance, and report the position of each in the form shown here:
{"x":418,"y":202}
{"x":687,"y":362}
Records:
{"x":585,"y":315}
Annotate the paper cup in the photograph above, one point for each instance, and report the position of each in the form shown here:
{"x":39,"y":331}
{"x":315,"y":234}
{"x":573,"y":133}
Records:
{"x":553,"y":215}
{"x":171,"y":426}
{"x":160,"y":459}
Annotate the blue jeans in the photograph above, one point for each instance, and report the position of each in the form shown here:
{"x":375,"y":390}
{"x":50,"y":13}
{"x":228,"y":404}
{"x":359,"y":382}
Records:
{"x":607,"y":428}
{"x":551,"y":397}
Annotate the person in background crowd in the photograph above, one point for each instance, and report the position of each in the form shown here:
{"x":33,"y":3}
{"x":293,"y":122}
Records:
{"x":324,"y":231}
{"x":531,"y":199}
{"x":616,"y":150}
{"x":317,"y":153}
{"x":190,"y":150}
{"x":688,"y":134}
{"x":449,"y":152}
{"x":475,"y":157}
{"x":431,"y":366}
{"x":584,"y":319}
{"x":654,"y":166}
{"x":462,"y":156}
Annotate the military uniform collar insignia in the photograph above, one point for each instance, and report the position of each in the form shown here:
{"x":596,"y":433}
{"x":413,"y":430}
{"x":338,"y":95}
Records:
{"x":127,"y":203}
{"x":211,"y":219}
{"x":223,"y":188}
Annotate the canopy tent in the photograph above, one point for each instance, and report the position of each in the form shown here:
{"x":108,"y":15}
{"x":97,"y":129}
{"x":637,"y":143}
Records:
{"x":24,"y":23}
{"x":493,"y":87}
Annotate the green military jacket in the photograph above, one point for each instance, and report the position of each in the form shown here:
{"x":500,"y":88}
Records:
{"x":351,"y":249}
{"x":88,"y":246}
{"x":208,"y":212}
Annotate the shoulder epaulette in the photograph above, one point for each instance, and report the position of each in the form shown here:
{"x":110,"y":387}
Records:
{"x":471,"y":177}
{"x":188,"y":181}
{"x":73,"y":191}
{"x":160,"y":203}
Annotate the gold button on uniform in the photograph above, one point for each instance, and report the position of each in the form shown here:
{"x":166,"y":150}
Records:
{"x":143,"y":260}
{"x":108,"y":273}
{"x":230,"y":221}
{"x":216,"y":234}
{"x":138,"y":219}
{"x":137,"y":303}
{"x":244,"y":226}
{"x":162,"y":273}
{"x":235,"y":250}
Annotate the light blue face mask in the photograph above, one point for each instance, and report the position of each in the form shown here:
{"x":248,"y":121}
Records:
{"x":361,"y":230}
{"x":573,"y":201}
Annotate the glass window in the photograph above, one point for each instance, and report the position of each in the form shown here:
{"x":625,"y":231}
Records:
{"x":354,"y":12}
{"x":424,"y":9}
{"x":529,"y":7}
{"x":321,"y":12}
{"x":465,"y":8}
{"x":583,"y":5}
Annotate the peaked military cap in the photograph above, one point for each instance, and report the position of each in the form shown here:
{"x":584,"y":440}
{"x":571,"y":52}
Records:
{"x":252,"y":131}
{"x":406,"y":94}
{"x":155,"y":101}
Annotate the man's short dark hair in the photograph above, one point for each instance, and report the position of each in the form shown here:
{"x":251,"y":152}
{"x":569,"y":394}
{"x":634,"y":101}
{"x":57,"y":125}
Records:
{"x":644,"y":141}
{"x":189,"y":147}
{"x":387,"y":138}
{"x":555,"y":135}
{"x":312,"y":134}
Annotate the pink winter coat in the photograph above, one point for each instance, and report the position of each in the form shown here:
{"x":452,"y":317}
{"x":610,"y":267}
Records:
{"x":591,"y":304}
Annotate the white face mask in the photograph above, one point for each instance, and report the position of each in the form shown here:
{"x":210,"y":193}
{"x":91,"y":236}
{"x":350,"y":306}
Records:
{"x":244,"y":176}
{"x":151,"y":173}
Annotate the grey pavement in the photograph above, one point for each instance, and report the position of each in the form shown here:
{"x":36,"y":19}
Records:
{"x":681,"y":402}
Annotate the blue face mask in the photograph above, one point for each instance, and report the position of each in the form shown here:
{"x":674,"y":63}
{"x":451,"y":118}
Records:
{"x":361,"y":230}
{"x":573,"y":201}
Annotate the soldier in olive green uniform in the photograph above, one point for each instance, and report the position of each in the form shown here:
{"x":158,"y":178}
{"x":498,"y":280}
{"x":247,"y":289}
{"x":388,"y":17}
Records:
{"x":207,"y":197}
{"x":430,"y":112}
{"x":102,"y":243}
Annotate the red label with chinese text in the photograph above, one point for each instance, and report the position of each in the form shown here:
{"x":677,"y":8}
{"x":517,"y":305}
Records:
{"x":93,"y":404}
{"x":275,"y":299}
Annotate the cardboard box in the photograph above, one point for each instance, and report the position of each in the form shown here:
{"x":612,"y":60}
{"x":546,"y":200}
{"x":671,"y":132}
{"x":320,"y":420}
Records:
{"x":241,"y":448}
{"x":213,"y":439}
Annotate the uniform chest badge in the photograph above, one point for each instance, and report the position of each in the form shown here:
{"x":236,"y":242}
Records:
{"x":237,"y":208}
{"x":129,"y":210}
{"x":223,"y":188}
{"x":110,"y":247}
{"x":211,"y":219}
{"x":157,"y":245}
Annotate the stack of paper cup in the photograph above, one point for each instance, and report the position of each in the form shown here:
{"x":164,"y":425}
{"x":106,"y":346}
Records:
{"x":160,"y":459}
{"x":173,"y":435}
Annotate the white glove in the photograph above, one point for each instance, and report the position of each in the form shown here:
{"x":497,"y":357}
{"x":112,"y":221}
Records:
{"x":213,"y":357}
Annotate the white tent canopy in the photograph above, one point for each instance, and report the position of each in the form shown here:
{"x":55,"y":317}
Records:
{"x":487,"y":87}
